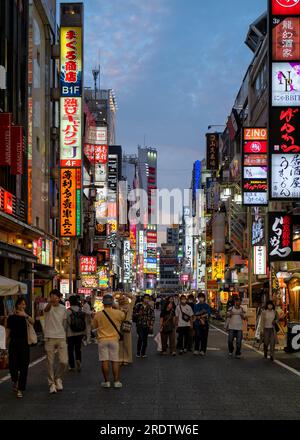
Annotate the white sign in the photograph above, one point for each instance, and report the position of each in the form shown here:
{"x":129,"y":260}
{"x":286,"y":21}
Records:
{"x":127,"y":261}
{"x":285,"y":176}
{"x":296,"y":339}
{"x":260,"y":260}
{"x":258,"y":231}
{"x":65,"y":287}
{"x":2,"y":338}
{"x":285,"y":85}
{"x":141,"y":242}
{"x":97,"y":136}
{"x":100,"y":173}
{"x":255,"y":199}
{"x":255,"y":172}
{"x":189,"y":254}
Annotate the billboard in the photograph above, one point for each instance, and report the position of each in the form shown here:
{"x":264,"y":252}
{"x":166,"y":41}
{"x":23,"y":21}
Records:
{"x":212,"y":151}
{"x":260,"y":260}
{"x":96,"y":154}
{"x":70,"y":132}
{"x":286,"y":38}
{"x":127,"y":261}
{"x":71,"y":61}
{"x":70,"y":207}
{"x":88,"y":265}
{"x":285,"y":7}
{"x":5,"y":139}
{"x":285,"y":84}
{"x":255,"y":167}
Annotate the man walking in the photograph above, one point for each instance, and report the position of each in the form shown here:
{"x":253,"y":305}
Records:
{"x":201,"y":325}
{"x":55,"y":341}
{"x":88,"y":322}
{"x":236,"y":315}
{"x":108,"y":323}
{"x":184,"y":323}
{"x":144,"y":317}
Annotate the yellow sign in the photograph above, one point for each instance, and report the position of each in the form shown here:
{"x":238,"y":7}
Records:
{"x":68,"y":221}
{"x":218,"y":267}
{"x":71,"y":61}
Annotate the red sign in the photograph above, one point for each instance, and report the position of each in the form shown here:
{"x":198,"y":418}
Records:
{"x":96,"y":154}
{"x":17,"y":150}
{"x":286,"y":7}
{"x":5,"y":139}
{"x":86,"y":292}
{"x":88,"y":265}
{"x":8,"y":203}
{"x":286,"y":39}
{"x":256,"y":147}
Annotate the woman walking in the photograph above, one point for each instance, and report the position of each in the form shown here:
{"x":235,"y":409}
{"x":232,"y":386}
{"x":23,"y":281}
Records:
{"x":126,"y":305}
{"x":167,"y":328}
{"x":269,"y":335}
{"x":18,"y":347}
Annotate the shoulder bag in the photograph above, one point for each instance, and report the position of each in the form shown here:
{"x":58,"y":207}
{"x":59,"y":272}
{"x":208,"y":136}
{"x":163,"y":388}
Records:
{"x":114,"y":325}
{"x":31,"y":334}
{"x":185,"y":317}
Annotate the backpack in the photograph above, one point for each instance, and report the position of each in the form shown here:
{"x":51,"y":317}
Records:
{"x":77,"y":321}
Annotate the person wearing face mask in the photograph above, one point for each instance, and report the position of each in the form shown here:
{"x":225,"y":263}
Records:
{"x":235,"y":316}
{"x":167,"y":327}
{"x":184,"y":322}
{"x":144,"y":317}
{"x":268,"y":329}
{"x":201,"y":325}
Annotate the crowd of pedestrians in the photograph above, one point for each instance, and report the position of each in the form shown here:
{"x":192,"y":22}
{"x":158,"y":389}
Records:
{"x":184,"y":324}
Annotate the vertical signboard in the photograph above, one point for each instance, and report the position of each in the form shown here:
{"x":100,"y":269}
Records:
{"x":255,"y":167}
{"x":71,"y":86}
{"x":127,"y":261}
{"x":284,"y":103}
{"x":212,"y":156}
{"x":260,"y":260}
{"x":5,"y":139}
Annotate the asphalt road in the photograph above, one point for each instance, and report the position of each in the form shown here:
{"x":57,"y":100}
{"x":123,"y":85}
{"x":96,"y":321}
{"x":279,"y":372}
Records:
{"x":164,"y":388}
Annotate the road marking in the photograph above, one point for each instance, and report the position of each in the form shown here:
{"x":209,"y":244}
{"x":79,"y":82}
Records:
{"x":281,"y":364}
{"x":7,"y":378}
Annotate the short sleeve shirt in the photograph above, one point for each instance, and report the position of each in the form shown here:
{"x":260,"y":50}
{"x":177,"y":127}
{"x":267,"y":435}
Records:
{"x":188,"y":311}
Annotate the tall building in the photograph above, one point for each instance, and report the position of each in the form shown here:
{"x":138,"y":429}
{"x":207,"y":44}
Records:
{"x":28,"y":143}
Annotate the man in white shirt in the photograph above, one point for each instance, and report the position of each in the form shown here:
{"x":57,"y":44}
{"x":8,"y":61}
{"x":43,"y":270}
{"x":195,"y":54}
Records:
{"x":236,"y":315}
{"x":184,"y":322}
{"x":55,"y":341}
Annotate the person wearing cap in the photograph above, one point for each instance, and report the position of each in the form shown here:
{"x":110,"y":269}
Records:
{"x":108,"y":325}
{"x":56,"y":341}
{"x":126,"y":305}
{"x":144,"y":317}
{"x":236,"y":315}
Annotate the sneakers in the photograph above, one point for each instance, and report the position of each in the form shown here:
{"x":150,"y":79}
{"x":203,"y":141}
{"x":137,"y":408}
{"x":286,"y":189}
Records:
{"x":71,"y":370}
{"x":196,"y":353}
{"x":174,"y":354}
{"x":53,"y":389}
{"x":19,"y":394}
{"x":138,"y":356}
{"x":118,"y":385}
{"x":202,"y":354}
{"x":185,"y":351}
{"x":105,"y":385}
{"x":181,"y":352}
{"x":59,"y":385}
{"x":78,"y":365}
{"x":238,"y":356}
{"x":15,"y":387}
{"x":145,"y":356}
{"x":230,"y":355}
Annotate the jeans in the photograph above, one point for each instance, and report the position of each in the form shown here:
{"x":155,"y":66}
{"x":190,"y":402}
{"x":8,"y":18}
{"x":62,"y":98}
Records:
{"x":74,"y":344}
{"x":238,"y":335}
{"x":201,"y":339}
{"x":19,"y":358}
{"x":183,"y":338}
{"x":143,"y":333}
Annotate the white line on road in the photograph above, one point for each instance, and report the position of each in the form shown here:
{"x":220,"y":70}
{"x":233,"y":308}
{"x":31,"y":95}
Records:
{"x":6,"y":378}
{"x":281,"y":364}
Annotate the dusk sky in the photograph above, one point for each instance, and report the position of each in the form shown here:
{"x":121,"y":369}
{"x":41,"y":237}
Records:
{"x":176,"y":67}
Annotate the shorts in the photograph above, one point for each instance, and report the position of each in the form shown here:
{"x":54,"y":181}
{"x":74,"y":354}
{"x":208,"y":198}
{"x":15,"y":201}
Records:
{"x":109,"y":351}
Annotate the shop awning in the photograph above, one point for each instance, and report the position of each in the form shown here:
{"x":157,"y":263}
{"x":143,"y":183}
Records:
{"x":10,"y":287}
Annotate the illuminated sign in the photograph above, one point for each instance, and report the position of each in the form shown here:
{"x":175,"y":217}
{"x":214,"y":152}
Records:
{"x":88,"y":265}
{"x":285,"y":176}
{"x":286,"y":38}
{"x":96,"y":154}
{"x":255,"y":167}
{"x":127,"y":261}
{"x":280,"y":237}
{"x":285,"y":137}
{"x":89,"y":281}
{"x":285,"y":7}
{"x":70,"y":132}
{"x":212,"y":152}
{"x":71,"y":61}
{"x":286,"y":84}
{"x":70,"y":209}
{"x":218,"y":267}
{"x":5,"y":139}
{"x":17,"y":150}
{"x":260,"y":260}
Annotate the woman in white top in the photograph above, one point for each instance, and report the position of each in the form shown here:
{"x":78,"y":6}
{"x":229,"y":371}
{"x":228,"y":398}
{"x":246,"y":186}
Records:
{"x":268,"y":331}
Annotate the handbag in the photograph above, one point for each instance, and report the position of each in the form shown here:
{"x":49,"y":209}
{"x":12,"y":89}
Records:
{"x":114,"y":326}
{"x":31,"y":334}
{"x":126,"y":327}
{"x":4,"y":361}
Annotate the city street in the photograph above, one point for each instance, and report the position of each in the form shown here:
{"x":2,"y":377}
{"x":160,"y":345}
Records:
{"x":165,"y":388}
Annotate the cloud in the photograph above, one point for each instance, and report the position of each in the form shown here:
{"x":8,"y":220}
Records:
{"x":123,"y":36}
